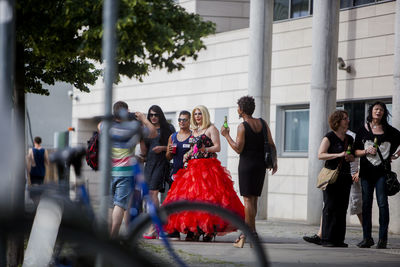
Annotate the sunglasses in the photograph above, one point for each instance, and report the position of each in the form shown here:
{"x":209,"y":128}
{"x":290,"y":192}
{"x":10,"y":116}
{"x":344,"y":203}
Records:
{"x":197,"y":113}
{"x":182,"y":120}
{"x":154,"y":115}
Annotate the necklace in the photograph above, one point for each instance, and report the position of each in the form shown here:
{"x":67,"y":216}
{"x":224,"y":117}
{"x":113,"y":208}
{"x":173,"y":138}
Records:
{"x":374,"y":126}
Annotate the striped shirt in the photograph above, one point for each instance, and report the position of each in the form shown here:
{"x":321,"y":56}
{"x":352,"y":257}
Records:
{"x":124,"y":139}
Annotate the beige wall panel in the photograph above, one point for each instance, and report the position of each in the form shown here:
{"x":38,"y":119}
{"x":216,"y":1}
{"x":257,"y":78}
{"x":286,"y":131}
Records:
{"x":386,"y":65}
{"x":386,"y":8}
{"x":223,"y":8}
{"x":382,"y":86}
{"x":290,"y":40}
{"x":355,"y":88}
{"x":288,"y":206}
{"x":375,"y":46}
{"x":298,"y":166}
{"x":357,"y":13}
{"x":284,"y":184}
{"x":381,"y":25}
{"x":291,"y":58}
{"x":366,"y":67}
{"x":189,"y":5}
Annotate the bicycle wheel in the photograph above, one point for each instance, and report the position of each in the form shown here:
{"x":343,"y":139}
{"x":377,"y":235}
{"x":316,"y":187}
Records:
{"x":143,"y":222}
{"x":79,"y":244}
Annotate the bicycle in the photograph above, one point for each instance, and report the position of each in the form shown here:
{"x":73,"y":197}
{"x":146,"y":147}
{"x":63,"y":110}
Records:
{"x":79,"y":241}
{"x":78,"y":238}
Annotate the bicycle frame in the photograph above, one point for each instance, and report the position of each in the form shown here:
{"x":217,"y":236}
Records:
{"x":153,"y":211}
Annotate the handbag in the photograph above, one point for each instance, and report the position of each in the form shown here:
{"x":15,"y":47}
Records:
{"x":392,"y":183}
{"x":269,"y":151}
{"x":327,"y":176}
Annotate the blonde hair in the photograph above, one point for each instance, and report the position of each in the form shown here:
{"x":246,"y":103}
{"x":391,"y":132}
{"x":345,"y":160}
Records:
{"x":206,"y":117}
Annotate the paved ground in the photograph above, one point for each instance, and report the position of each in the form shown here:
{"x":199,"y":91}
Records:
{"x":284,"y":245}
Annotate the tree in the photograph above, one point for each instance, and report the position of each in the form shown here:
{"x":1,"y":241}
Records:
{"x":60,"y":40}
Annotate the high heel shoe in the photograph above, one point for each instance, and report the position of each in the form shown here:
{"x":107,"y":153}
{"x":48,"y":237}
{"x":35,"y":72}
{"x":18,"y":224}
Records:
{"x":209,"y":237}
{"x":191,"y":236}
{"x":151,"y":235}
{"x":239,"y":243}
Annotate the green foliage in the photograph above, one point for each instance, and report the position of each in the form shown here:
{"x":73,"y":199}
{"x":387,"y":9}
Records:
{"x":61,"y":39}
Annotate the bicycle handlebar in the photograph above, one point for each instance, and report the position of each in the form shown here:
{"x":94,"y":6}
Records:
{"x":69,"y":156}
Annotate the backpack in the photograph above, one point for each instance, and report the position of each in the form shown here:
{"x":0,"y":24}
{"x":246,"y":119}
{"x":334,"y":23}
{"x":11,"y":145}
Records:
{"x":92,"y":151}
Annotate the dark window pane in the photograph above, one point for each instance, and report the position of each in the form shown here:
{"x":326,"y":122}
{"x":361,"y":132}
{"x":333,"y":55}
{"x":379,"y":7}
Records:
{"x":281,"y":9}
{"x":299,"y":8}
{"x":356,"y":112}
{"x":346,"y":3}
{"x":296,"y":130}
{"x":363,"y":2}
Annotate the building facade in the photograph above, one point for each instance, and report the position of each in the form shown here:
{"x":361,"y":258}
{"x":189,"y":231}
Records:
{"x":220,"y":76}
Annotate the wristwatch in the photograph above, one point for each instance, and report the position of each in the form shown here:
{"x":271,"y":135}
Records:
{"x":396,"y":155}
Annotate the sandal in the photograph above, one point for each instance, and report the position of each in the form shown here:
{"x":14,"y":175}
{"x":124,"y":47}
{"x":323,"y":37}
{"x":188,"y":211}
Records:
{"x":239,"y":242}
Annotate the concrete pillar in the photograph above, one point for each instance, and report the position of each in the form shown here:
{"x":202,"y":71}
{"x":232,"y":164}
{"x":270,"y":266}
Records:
{"x":260,"y":53}
{"x":325,"y":29}
{"x":394,"y":202}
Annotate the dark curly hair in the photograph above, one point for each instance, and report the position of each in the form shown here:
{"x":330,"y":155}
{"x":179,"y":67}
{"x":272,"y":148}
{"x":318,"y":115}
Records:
{"x":247,"y":104}
{"x":336,"y":117}
{"x":386,"y":114}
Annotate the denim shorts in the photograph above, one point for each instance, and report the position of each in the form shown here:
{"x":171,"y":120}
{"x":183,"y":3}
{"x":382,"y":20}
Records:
{"x":121,"y":188}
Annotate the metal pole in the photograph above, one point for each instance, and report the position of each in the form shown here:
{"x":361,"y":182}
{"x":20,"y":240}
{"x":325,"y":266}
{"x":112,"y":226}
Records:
{"x":7,"y":51}
{"x":6,"y":88}
{"x":110,"y":11}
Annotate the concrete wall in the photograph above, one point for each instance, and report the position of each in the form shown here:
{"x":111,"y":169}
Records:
{"x":227,"y":14}
{"x":219,"y":78}
{"x":49,"y":114}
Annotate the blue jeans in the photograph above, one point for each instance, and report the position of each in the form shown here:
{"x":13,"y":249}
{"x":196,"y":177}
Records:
{"x":121,"y":189}
{"x":368,"y":187}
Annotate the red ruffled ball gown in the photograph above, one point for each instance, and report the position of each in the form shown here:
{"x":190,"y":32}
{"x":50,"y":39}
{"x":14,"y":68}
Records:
{"x":204,"y":180}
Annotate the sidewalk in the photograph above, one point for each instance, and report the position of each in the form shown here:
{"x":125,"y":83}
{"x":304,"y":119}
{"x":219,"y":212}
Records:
{"x":284,"y":245}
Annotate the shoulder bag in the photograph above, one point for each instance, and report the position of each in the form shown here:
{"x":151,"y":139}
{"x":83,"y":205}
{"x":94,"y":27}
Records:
{"x":327,"y":176}
{"x":269,"y":152}
{"x":392,"y":184}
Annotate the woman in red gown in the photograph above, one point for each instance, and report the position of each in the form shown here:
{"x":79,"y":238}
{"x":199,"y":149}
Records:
{"x":203,"y":179}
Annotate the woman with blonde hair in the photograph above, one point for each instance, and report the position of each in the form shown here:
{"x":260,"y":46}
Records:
{"x":203,"y":179}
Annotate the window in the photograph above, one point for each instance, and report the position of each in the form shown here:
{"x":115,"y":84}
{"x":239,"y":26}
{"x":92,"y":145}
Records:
{"x":299,"y":8}
{"x":363,"y":2}
{"x":281,"y":9}
{"x":286,"y":9}
{"x":389,"y":107}
{"x":292,"y":125}
{"x":296,"y":9}
{"x":296,"y":130}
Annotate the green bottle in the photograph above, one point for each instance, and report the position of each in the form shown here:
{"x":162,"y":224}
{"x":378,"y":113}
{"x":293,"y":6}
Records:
{"x":348,"y":151}
{"x":226,"y":122}
{"x":376,"y":142}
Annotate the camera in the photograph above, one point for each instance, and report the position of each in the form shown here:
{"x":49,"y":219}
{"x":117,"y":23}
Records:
{"x":132,"y":116}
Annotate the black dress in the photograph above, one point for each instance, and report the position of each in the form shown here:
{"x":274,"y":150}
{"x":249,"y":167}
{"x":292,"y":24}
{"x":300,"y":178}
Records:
{"x":251,"y":164}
